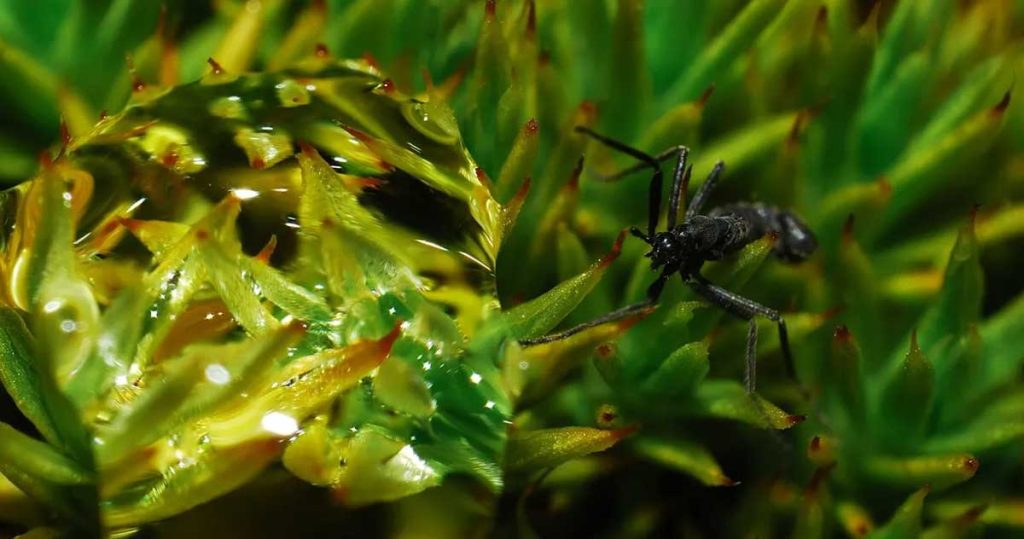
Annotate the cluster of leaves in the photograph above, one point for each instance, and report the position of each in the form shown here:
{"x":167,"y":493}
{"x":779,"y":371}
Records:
{"x":896,"y":114}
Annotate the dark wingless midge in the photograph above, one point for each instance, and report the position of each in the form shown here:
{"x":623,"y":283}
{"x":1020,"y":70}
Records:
{"x":685,"y":246}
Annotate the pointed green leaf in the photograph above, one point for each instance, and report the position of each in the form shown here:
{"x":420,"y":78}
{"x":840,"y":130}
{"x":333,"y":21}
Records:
{"x":939,"y":471}
{"x":521,"y":160}
{"x":727,"y":46}
{"x":728,"y":400}
{"x":34,"y":391}
{"x":962,"y":526}
{"x":38,"y":459}
{"x":906,"y":523}
{"x":539,"y":315}
{"x":906,"y":401}
{"x":685,"y":457}
{"x":189,"y":483}
{"x":286,"y":294}
{"x":681,"y":372}
{"x":547,"y":448}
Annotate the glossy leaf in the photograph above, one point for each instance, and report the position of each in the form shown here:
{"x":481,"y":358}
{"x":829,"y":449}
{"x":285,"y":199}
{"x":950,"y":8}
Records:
{"x":547,"y":448}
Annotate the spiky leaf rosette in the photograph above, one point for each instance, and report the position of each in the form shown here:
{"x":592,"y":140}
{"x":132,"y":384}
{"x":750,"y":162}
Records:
{"x":897,"y":113}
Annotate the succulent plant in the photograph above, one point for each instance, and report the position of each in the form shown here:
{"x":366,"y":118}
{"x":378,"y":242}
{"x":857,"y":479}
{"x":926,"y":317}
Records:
{"x":293,"y":267}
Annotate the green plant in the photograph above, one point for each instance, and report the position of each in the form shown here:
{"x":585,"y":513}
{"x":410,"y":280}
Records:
{"x":898,"y":114}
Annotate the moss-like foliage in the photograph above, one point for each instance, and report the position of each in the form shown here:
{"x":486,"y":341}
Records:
{"x":294,"y":261}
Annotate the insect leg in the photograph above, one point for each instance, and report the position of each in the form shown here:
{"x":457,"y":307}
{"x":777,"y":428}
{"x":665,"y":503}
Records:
{"x":665,"y":155}
{"x":653,"y":293}
{"x":746,"y":309}
{"x":705,"y":190}
{"x":750,"y":374}
{"x":680,"y":184}
{"x":654,"y":193}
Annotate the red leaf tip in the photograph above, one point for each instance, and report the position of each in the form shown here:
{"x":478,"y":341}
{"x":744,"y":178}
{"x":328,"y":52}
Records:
{"x":848,"y":229}
{"x":484,"y":179}
{"x":215,"y":67}
{"x":524,"y":189}
{"x":389,"y":340}
{"x":842,"y":334}
{"x":307,"y":149}
{"x":815,"y":444}
{"x":702,"y":101}
{"x":616,"y":250}
{"x":619,"y":434}
{"x":531,"y":19}
{"x":1003,"y":104}
{"x":606,"y":350}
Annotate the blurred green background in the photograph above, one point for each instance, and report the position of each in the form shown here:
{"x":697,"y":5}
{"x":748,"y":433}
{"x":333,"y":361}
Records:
{"x":883,"y":123}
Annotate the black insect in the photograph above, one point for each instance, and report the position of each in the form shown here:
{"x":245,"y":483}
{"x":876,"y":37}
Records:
{"x":685,"y":246}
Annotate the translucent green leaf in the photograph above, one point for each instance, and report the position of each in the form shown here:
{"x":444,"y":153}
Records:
{"x":906,"y":523}
{"x":884,"y":123}
{"x":147,"y":417}
{"x":920,"y":173}
{"x":999,"y":423}
{"x":521,"y":160}
{"x":841,"y":375}
{"x":47,"y":494}
{"x":547,"y":448}
{"x":939,"y":471}
{"x":680,"y":373}
{"x":811,"y":518}
{"x":854,"y":518}
{"x":399,"y":385}
{"x":727,"y":399}
{"x":538,"y":316}
{"x":905,"y":31}
{"x":238,"y":46}
{"x":302,"y":387}
{"x":1003,"y":335}
{"x":960,"y":526}
{"x":1000,"y":511}
{"x":685,"y":457}
{"x":39,"y":459}
{"x":571,"y":255}
{"x":51,"y":256}
{"x":858,"y":291}
{"x":745,"y":145}
{"x":119,"y":335}
{"x":959,"y":304}
{"x":629,"y":85}
{"x":235,"y":290}
{"x":963,"y":101}
{"x":542,"y":368}
{"x":237,"y":368}
{"x":212,"y":473}
{"x":907,"y":399}
{"x":378,"y":468}
{"x":34,"y":391}
{"x":284,"y":293}
{"x":727,"y":46}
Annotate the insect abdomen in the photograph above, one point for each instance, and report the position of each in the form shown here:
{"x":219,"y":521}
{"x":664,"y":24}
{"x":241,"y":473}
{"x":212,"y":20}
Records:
{"x":795,"y":241}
